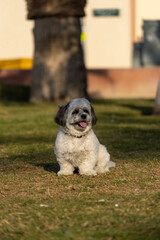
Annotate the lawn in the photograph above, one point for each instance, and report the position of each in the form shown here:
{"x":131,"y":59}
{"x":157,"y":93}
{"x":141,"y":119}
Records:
{"x":35,"y":204}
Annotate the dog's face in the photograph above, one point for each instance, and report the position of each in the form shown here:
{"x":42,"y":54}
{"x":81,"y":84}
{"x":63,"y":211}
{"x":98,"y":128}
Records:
{"x":77,"y":116}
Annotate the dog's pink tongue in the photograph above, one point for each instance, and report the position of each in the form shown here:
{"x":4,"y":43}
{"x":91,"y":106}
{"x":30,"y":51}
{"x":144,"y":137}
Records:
{"x":83,"y":124}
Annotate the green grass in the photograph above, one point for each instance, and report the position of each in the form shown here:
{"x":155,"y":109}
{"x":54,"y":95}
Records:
{"x":123,"y":204}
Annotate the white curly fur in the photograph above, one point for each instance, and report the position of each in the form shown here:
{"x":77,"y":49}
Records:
{"x":76,"y":148}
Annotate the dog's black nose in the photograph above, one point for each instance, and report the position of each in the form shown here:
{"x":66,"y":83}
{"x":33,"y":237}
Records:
{"x":83,"y":116}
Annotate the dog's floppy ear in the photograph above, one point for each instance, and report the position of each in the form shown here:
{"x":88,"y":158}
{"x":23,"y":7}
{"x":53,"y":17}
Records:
{"x":60,"y":117}
{"x":94,"y":118}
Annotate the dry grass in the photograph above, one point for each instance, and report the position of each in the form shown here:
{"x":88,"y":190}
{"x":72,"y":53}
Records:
{"x":123,"y":204}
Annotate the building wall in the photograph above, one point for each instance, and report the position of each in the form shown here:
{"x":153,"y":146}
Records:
{"x":145,"y":10}
{"x":15,"y":31}
{"x":108,"y":39}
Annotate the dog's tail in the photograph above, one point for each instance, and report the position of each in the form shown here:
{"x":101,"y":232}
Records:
{"x":111,"y":164}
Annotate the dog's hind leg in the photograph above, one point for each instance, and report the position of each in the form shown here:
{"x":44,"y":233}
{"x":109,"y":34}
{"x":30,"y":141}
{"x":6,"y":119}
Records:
{"x":103,"y":162}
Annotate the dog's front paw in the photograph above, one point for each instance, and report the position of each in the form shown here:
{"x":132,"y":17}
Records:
{"x":61,"y":173}
{"x":88,"y":173}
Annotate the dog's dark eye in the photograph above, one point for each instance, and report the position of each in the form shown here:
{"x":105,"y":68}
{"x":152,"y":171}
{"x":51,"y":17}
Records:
{"x":86,"y":111}
{"x":75,"y":111}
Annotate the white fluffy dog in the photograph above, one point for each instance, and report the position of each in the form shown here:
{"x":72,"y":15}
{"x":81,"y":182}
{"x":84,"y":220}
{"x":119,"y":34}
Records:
{"x":76,"y":144}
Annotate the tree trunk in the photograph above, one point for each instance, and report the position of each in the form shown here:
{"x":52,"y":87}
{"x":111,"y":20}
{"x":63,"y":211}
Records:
{"x":57,"y":8}
{"x":59,"y":70}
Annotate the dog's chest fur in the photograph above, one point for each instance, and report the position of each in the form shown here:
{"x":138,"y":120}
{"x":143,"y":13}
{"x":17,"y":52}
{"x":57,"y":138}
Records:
{"x":72,"y":149}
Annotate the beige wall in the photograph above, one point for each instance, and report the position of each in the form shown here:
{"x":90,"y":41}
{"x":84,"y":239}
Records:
{"x":15,"y":31}
{"x":145,"y":10}
{"x":108,"y":39}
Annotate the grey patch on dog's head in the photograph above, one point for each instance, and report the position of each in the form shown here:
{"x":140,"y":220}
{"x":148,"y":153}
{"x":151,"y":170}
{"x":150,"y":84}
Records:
{"x":60,"y":117}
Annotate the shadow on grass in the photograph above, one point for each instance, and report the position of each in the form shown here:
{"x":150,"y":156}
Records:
{"x":53,"y":167}
{"x":145,"y":110}
{"x":143,"y":106}
{"x":10,"y":92}
{"x":29,"y":157}
{"x":49,"y":167}
{"x":26,"y":140}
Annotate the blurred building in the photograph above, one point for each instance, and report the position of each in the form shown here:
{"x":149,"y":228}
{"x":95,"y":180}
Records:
{"x":113,"y":37}
{"x":113,"y":30}
{"x":16,"y":40}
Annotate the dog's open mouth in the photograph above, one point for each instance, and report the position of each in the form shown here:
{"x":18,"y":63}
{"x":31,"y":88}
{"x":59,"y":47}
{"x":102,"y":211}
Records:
{"x":82,"y":124}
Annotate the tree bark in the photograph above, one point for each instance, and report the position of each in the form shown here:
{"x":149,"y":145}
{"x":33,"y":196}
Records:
{"x":59,"y":71}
